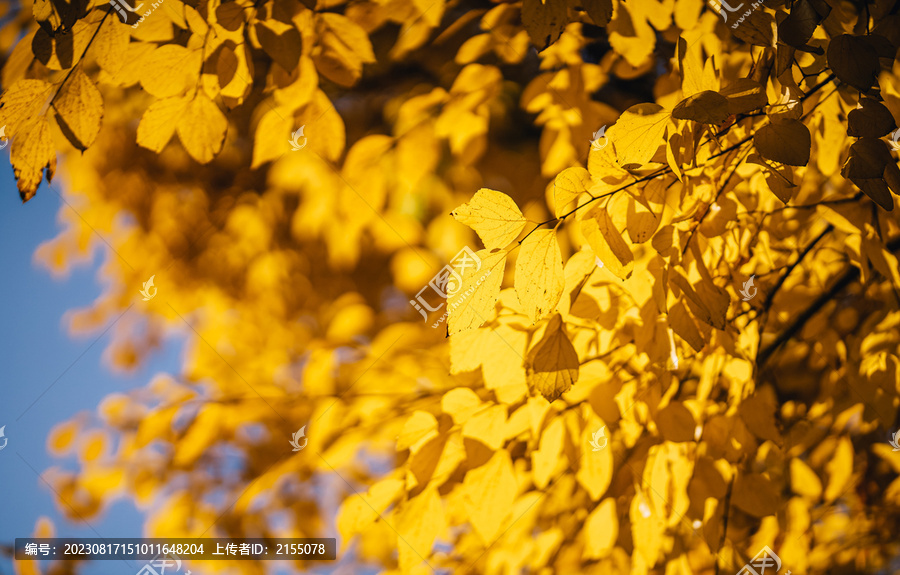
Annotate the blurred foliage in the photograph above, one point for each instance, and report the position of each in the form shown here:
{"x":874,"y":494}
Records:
{"x":747,"y":154}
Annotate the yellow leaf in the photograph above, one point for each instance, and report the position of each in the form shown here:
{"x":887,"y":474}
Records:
{"x":22,"y":104}
{"x":169,"y":70}
{"x":638,"y":133}
{"x":758,"y":413}
{"x":61,"y":438}
{"x":110,"y":46}
{"x":545,"y":20}
{"x":676,"y":423}
{"x":607,"y":243}
{"x":79,"y":109}
{"x":202,"y":433}
{"x":324,"y":127}
{"x":460,"y":403}
{"x":270,"y":141}
{"x":840,"y":470}
{"x":158,"y":123}
{"x":553,"y":362}
{"x":629,"y":33}
{"x":595,"y":468}
{"x":744,"y":95}
{"x":787,"y":142}
{"x":707,"y":302}
{"x":667,"y":472}
{"x":805,"y":481}
{"x":601,"y":529}
{"x":755,"y":494}
{"x":280,"y":41}
{"x":473,"y":304}
{"x":600,"y":11}
{"x":202,"y":128}
{"x":540,"y":277}
{"x":488,"y":427}
{"x":569,"y":184}
{"x":488,"y":495}
{"x":360,"y":511}
{"x":645,"y":211}
{"x":494,"y":216}
{"x":502,"y":366}
{"x":419,"y":521}
{"x":683,"y":324}
{"x":30,"y":154}
{"x":706,"y":107}
{"x":418,"y":430}
{"x":758,"y":29}
{"x":342,"y":50}
{"x":436,"y":460}
{"x":545,"y":459}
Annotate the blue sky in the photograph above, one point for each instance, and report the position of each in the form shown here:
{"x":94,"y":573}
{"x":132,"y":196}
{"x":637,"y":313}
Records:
{"x":36,"y":350}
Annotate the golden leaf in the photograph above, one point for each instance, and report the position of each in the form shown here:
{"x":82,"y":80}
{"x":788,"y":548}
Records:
{"x":489,"y":493}
{"x":540,"y":276}
{"x":419,"y":521}
{"x":79,"y":109}
{"x":638,"y":133}
{"x":202,"y":128}
{"x":494,"y":216}
{"x":158,"y":123}
{"x":553,"y":362}
{"x":601,"y":529}
{"x":474,"y":302}
{"x":545,"y":460}
{"x":607,"y":243}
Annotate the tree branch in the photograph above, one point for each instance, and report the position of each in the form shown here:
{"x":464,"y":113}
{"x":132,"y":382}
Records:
{"x":849,"y":277}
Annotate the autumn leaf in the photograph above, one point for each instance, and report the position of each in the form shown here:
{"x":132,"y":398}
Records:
{"x":744,"y":95}
{"x":553,"y":362}
{"x":706,"y":107}
{"x":608,"y":244}
{"x":342,"y":50}
{"x":79,"y":109}
{"x":853,"y":61}
{"x":159,"y":122}
{"x":494,"y":216}
{"x":474,"y":302}
{"x":787,"y":142}
{"x":419,"y":522}
{"x":202,"y":128}
{"x":545,"y":20}
{"x":488,"y":495}
{"x":638,"y":133}
{"x":569,"y":184}
{"x":539,"y":274}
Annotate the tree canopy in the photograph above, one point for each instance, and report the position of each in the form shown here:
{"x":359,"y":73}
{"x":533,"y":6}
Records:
{"x":680,"y":238}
